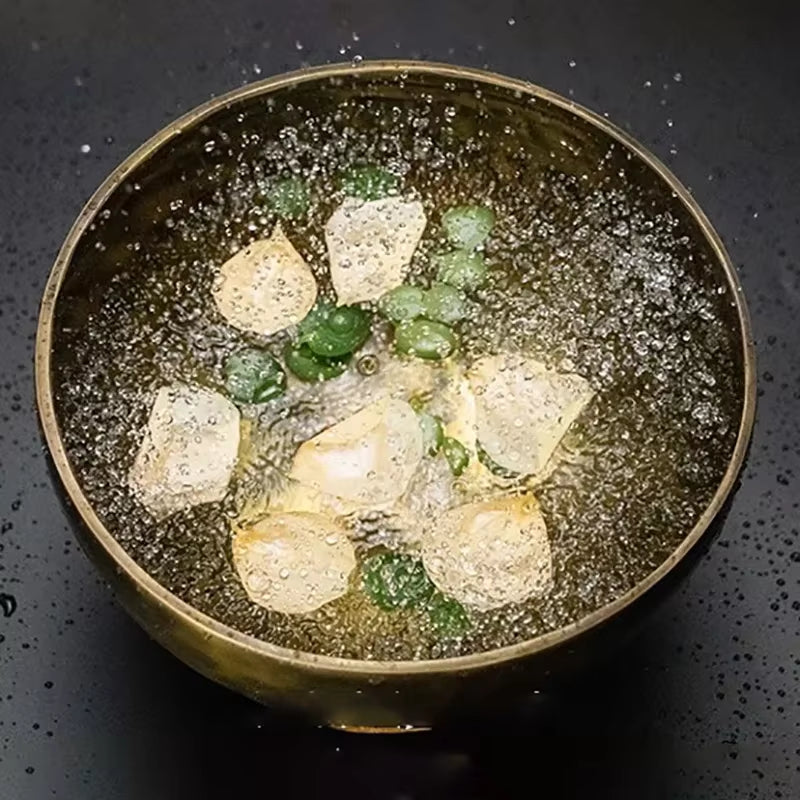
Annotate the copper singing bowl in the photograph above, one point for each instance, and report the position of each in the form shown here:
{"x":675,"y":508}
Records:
{"x":381,"y":695}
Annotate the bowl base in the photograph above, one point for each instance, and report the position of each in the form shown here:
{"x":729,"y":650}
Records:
{"x":378,"y":729}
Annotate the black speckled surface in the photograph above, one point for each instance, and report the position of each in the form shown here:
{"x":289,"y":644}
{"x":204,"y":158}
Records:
{"x":706,"y":704}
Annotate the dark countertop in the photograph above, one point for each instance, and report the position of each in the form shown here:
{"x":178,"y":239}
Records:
{"x":705,"y":704}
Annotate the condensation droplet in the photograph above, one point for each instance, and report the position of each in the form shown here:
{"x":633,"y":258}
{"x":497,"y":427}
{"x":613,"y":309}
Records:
{"x":8,"y":604}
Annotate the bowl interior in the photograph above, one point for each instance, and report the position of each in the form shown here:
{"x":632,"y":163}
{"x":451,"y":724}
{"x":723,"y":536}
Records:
{"x":602,"y":265}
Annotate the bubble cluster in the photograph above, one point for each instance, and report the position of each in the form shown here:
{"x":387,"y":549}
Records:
{"x":591,"y":269}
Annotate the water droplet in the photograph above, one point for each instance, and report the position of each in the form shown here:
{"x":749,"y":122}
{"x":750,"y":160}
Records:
{"x":511,"y":21}
{"x":572,"y":62}
{"x":8,"y":604}
{"x":86,"y":148}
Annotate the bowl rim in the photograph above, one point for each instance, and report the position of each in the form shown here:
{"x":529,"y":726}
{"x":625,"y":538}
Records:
{"x":211,"y":628}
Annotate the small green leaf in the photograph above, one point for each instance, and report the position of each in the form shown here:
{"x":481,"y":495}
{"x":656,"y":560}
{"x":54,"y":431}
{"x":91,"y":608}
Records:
{"x":456,"y":454}
{"x":448,"y":616}
{"x":254,"y":376}
{"x":468,"y":226}
{"x":403,"y":303}
{"x":395,"y":581}
{"x":308,"y":366}
{"x":461,"y":269}
{"x":332,"y":331}
{"x":445,"y":303}
{"x":425,"y":339}
{"x":432,"y":431}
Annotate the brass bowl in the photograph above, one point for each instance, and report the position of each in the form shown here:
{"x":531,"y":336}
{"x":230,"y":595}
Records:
{"x":361,"y":695}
